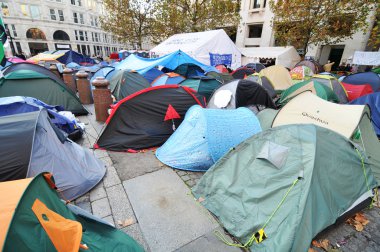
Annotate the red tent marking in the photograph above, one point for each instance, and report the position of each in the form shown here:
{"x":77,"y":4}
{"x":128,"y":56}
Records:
{"x":171,"y":113}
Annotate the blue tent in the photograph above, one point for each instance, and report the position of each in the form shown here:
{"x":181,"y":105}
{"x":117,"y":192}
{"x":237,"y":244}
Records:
{"x":72,"y":56}
{"x":373,"y":101}
{"x":152,"y":74}
{"x":73,"y":65}
{"x":19,"y":104}
{"x":167,"y":79}
{"x":106,"y":72}
{"x":205,"y":136}
{"x":364,"y":78}
{"x":171,"y":61}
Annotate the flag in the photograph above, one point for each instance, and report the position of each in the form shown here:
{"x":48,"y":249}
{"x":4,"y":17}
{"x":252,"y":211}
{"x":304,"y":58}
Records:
{"x":3,"y":40}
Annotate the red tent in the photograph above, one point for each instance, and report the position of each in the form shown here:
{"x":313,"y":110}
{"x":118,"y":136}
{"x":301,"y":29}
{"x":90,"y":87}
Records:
{"x":355,"y":91}
{"x":222,"y":68}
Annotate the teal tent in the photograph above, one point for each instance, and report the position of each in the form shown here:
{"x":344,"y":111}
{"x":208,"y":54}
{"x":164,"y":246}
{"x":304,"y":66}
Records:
{"x":203,"y":85}
{"x":125,"y":82}
{"x":281,"y":187}
{"x":37,"y":85}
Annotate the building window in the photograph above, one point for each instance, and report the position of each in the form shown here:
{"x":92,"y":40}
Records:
{"x":85,"y":36}
{"x":35,"y":33}
{"x":73,"y":2}
{"x":75,"y":16}
{"x":52,"y":14}
{"x":60,"y":35}
{"x":76,"y":35}
{"x":4,"y":9}
{"x":18,"y":47}
{"x":78,"y":48}
{"x":92,"y":35}
{"x":13,"y":27}
{"x":81,"y":18}
{"x":256,"y":4}
{"x":79,"y":2}
{"x":35,"y":12}
{"x":91,"y":20}
{"x":96,"y":21}
{"x":24,"y":10}
{"x":81,"y":36}
{"x":61,"y":17}
{"x":255,"y":30}
{"x":96,"y":37}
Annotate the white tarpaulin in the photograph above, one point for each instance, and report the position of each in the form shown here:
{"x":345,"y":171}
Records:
{"x":366,"y":58}
{"x":285,"y":56}
{"x":209,"y":47}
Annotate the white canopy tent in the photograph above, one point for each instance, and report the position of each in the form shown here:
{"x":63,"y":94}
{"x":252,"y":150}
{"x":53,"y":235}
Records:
{"x":209,"y":47}
{"x":284,"y":56}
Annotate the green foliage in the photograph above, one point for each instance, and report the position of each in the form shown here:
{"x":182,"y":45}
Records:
{"x":374,"y":39}
{"x":133,"y":20}
{"x":304,"y":22}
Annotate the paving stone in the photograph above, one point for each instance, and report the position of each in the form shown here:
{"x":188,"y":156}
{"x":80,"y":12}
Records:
{"x":101,"y":208}
{"x":168,"y":215}
{"x":109,"y":219}
{"x":131,"y":165}
{"x":120,"y":205}
{"x":98,"y":192}
{"x":100,"y":153}
{"x":134,"y":231}
{"x":111,"y":178}
{"x":107,"y":161}
{"x":185,"y":178}
{"x":83,"y":198}
{"x":85,"y":206}
{"x":190,"y":183}
{"x":181,"y":173}
{"x":210,"y":243}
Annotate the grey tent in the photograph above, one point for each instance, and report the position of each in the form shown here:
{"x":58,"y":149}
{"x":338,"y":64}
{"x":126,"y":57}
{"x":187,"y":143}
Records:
{"x":281,"y":187}
{"x":31,"y":144}
{"x":263,"y":81}
{"x":241,"y":93}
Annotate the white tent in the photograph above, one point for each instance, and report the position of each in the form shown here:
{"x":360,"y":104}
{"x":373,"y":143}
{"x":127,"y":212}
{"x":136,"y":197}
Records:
{"x":285,"y":56}
{"x":209,"y":47}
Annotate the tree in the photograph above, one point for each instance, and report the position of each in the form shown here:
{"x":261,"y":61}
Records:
{"x":180,"y":16}
{"x":304,"y":22}
{"x":129,"y":20}
{"x":374,"y":38}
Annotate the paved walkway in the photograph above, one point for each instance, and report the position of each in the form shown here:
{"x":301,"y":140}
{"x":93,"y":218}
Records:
{"x":153,"y":204}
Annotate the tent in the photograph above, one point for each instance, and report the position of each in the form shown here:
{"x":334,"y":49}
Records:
{"x":205,"y":135}
{"x":334,"y":84}
{"x":241,"y":93}
{"x":203,"y":85}
{"x":279,"y":188}
{"x":32,"y":144}
{"x":373,"y":101}
{"x":18,"y":104}
{"x":15,"y":59}
{"x":278,"y":76}
{"x":263,"y":81}
{"x":105,"y":72}
{"x":256,"y":66}
{"x":167,"y":78}
{"x":315,"y":87}
{"x":301,"y":73}
{"x":284,"y":56}
{"x":351,"y":121}
{"x":364,"y":78}
{"x":45,"y":57}
{"x":147,"y":118}
{"x":188,"y":70}
{"x":42,"y":87}
{"x":209,"y":47}
{"x":33,"y":218}
{"x":312,"y":64}
{"x":31,"y":67}
{"x":222,"y":68}
{"x":126,"y":82}
{"x":356,"y":91}
{"x":171,"y":61}
{"x":71,"y":56}
{"x":152,"y":74}
{"x":242,"y":72}
{"x":224,"y":78}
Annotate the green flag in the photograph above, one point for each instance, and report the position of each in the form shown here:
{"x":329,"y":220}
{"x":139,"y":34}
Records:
{"x":3,"y":39}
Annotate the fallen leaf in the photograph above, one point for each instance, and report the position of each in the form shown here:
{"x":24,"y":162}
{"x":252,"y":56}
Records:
{"x":321,"y":244}
{"x":359,"y":227}
{"x":358,"y":221}
{"x":126,"y":223}
{"x":200,"y":199}
{"x":361,"y":218}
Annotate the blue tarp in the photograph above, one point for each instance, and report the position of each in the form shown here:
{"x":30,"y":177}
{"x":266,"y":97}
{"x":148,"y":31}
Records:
{"x":373,"y":101}
{"x":171,"y":61}
{"x":364,"y":78}
{"x":152,"y":74}
{"x":205,"y":136}
{"x":72,"y":56}
{"x":19,"y":104}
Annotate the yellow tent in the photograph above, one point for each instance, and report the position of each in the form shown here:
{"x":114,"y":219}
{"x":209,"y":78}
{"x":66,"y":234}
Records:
{"x":45,"y":57}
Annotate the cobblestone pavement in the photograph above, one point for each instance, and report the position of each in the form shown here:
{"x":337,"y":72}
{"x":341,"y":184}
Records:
{"x":109,"y":200}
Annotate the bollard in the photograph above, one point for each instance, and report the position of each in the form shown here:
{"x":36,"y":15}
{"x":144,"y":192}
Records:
{"x":102,"y":98}
{"x":53,"y":68}
{"x":69,"y":80}
{"x":84,"y":88}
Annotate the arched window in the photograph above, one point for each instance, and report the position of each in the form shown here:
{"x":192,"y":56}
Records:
{"x":60,"y":35}
{"x":35,"y":33}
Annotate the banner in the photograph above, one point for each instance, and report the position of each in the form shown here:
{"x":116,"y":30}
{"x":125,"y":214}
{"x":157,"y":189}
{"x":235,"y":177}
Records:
{"x":366,"y":58}
{"x":219,"y":59}
{"x":3,"y":40}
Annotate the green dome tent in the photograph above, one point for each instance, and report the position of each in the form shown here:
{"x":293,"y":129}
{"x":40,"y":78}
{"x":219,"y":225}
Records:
{"x":42,"y":87}
{"x":203,"y":85}
{"x":334,"y":84}
{"x":315,"y":87}
{"x":280,"y":188}
{"x":33,"y":218}
{"x":126,"y":82}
